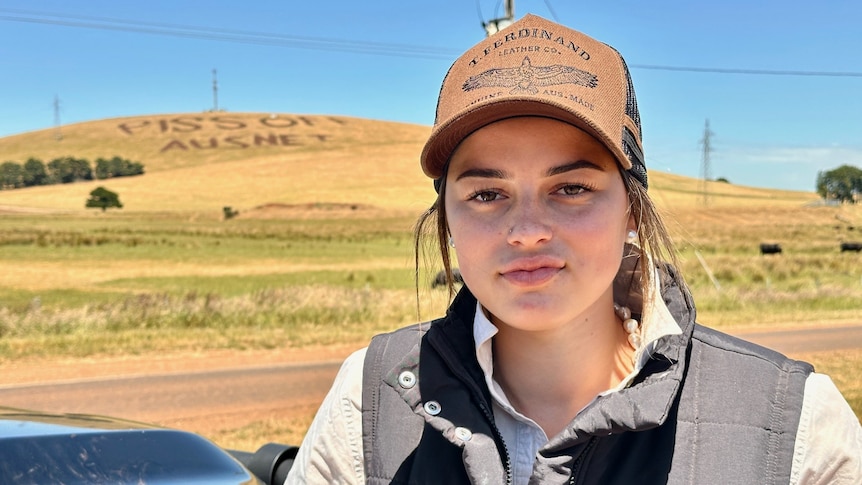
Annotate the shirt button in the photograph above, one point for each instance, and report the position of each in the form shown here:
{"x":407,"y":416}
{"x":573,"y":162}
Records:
{"x":463,"y":434}
{"x":433,"y":408}
{"x":407,"y":379}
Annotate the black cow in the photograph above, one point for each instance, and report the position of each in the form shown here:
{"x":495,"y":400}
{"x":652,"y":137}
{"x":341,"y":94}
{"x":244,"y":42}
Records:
{"x":766,"y":248}
{"x":440,"y":278}
{"x":851,"y":246}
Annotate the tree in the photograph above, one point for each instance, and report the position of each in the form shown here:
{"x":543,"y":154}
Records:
{"x":35,"y":173}
{"x":117,"y":167}
{"x":843,"y":183}
{"x":66,"y":170}
{"x":103,"y":169}
{"x":11,"y":176}
{"x":104,"y":199}
{"x":60,"y":171}
{"x":80,"y":169}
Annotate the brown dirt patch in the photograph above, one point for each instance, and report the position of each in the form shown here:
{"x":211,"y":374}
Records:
{"x":317,"y":210}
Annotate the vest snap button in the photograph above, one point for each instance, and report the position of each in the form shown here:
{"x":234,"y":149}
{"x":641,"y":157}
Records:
{"x":463,"y":434}
{"x":407,"y":379}
{"x":433,"y":408}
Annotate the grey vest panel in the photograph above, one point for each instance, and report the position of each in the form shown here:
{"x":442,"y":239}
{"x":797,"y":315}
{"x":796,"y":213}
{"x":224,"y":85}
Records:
{"x":396,"y":446}
{"x":738,"y":413}
{"x":383,"y":410}
{"x":734,"y":421}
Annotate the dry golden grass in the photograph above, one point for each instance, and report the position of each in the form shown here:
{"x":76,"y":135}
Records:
{"x":204,"y":161}
{"x":674,"y":192}
{"x":295,"y":159}
{"x":88,"y":274}
{"x":843,"y":368}
{"x":272,"y":429}
{"x":315,"y":168}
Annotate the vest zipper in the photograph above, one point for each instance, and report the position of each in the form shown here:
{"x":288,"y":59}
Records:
{"x":464,"y":377}
{"x":579,"y":461}
{"x":499,"y":438}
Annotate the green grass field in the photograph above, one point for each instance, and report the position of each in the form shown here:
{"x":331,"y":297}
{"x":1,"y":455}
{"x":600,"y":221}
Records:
{"x":321,"y":251}
{"x":72,"y":275}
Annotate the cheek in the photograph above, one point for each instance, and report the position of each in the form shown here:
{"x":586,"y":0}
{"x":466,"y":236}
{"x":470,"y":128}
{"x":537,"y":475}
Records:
{"x":600,"y":234}
{"x":474,"y":241}
{"x":611,"y":217}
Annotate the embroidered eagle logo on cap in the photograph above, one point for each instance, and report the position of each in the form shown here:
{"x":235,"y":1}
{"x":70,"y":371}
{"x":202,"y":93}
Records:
{"x":525,"y":78}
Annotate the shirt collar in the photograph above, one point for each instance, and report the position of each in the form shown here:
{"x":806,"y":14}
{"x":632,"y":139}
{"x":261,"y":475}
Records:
{"x":656,"y":322}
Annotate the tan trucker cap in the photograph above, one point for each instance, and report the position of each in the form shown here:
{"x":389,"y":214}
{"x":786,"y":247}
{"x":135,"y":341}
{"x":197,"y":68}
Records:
{"x":536,"y":67}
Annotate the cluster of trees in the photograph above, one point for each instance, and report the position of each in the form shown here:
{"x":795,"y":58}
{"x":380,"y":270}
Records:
{"x":843,"y":184}
{"x":64,"y":170}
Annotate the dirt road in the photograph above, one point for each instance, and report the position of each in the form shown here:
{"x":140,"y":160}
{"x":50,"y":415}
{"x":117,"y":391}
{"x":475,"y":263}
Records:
{"x":214,"y":391}
{"x":803,"y":340}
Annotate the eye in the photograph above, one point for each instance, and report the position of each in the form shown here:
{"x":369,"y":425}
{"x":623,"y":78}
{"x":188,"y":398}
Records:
{"x":485,"y":196}
{"x":574,"y":189}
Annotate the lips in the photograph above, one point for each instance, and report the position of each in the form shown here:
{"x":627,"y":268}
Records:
{"x":533,"y":271}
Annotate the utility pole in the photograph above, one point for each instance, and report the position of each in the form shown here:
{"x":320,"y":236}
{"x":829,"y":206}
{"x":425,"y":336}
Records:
{"x":705,"y":165}
{"x":495,"y":25}
{"x":58,"y":135}
{"x":215,"y":91}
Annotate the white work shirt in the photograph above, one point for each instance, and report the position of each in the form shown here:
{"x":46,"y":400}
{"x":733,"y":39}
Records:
{"x":522,"y":435}
{"x":826,"y":451}
{"x":828,"y":448}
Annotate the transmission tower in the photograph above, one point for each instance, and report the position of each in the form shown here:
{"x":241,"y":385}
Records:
{"x":705,"y":165}
{"x":215,"y":91}
{"x":495,"y":25}
{"x":58,"y":135}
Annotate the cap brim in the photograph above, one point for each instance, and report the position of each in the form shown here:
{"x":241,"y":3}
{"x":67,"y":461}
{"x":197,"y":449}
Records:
{"x":446,"y":137}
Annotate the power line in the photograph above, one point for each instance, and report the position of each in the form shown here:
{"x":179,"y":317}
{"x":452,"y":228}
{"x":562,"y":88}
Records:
{"x":767,"y":72}
{"x":330,"y":44}
{"x":551,"y":10}
{"x":227,"y":35}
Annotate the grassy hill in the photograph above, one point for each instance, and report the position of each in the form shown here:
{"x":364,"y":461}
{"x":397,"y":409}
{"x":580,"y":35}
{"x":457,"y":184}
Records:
{"x":201,"y":162}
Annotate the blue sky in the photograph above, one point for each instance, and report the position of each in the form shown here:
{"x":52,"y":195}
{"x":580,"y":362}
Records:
{"x":385,"y":59}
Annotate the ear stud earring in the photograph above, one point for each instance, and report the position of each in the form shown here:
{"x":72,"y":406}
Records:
{"x":451,"y":242}
{"x":632,"y":236}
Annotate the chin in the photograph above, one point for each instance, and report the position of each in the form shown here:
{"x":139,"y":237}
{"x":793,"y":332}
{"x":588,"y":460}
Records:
{"x":526,"y":316}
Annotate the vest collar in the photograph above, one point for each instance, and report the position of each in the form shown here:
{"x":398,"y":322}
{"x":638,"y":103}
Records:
{"x":448,"y":352}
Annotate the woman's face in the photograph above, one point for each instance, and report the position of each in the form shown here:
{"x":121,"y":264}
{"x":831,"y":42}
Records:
{"x":538,"y":214}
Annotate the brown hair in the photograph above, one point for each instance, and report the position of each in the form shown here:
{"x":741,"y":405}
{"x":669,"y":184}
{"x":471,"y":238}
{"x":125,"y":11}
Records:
{"x":431,"y":229}
{"x":655,"y":247}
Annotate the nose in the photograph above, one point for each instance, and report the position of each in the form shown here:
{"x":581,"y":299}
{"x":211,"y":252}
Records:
{"x":528,"y":224}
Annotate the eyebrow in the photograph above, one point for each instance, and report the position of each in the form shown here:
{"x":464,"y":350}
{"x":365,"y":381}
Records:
{"x":493,"y":173}
{"x":487,"y":173}
{"x":568,"y":167}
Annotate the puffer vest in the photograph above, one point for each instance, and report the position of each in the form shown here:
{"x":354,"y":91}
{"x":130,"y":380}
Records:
{"x":707,"y":408}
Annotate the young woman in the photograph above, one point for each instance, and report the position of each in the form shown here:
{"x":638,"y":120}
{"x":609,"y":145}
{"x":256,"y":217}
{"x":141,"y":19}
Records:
{"x":571,"y":354}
